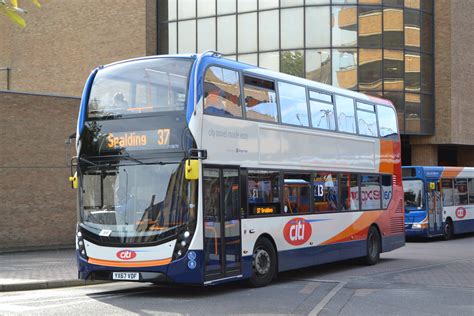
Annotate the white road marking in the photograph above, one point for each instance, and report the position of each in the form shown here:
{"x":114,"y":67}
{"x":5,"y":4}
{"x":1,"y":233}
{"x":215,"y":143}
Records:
{"x":326,"y":299}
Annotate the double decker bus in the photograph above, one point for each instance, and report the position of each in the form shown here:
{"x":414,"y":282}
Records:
{"x":439,"y":201}
{"x":198,"y":169}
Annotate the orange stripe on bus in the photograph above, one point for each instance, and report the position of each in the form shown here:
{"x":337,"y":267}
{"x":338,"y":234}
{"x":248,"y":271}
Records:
{"x":386,"y":156}
{"x":364,"y":221}
{"x":129,"y":264}
{"x":451,"y":172}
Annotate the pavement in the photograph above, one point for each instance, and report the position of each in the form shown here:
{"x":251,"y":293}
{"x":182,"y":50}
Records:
{"x":34,"y":270}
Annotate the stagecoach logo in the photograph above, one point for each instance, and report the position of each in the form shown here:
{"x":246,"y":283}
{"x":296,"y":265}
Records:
{"x":126,"y":254}
{"x":460,"y":212}
{"x":297,"y":231}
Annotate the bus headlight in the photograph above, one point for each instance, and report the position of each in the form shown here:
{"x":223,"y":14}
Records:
{"x":182,"y":244}
{"x":80,"y":245}
{"x":419,"y":226}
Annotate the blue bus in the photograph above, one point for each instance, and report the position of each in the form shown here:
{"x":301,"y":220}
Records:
{"x":439,"y":201}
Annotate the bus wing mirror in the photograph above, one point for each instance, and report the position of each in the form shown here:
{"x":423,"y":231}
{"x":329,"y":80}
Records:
{"x":432,"y":186}
{"x":192,"y":169}
{"x":73,"y":180}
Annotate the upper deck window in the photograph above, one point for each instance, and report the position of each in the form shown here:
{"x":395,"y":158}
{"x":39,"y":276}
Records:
{"x":142,"y":86}
{"x":322,"y":111}
{"x":366,"y":119}
{"x":260,"y":99}
{"x":222,"y":92}
{"x":387,"y":122}
{"x":294,"y":109}
{"x":345,"y":114}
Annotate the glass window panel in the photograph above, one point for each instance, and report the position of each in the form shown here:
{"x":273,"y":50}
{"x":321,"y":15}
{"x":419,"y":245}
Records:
{"x":318,"y":27}
{"x":226,"y":34}
{"x":293,"y":107}
{"x":386,"y":190}
{"x":447,"y":192}
{"x":366,"y":107}
{"x":251,"y":59}
{"x":206,"y":34}
{"x":325,"y":192}
{"x":471,"y":190}
{"x":172,"y":10}
{"x":412,"y":29}
{"x":393,"y":28}
{"x":270,"y":61}
{"x":269,"y":30}
{"x":460,"y":192}
{"x":247,"y":5}
{"x":413,"y":4}
{"x":370,"y":26}
{"x":247,"y":33}
{"x":427,"y":114}
{"x":232,"y":57}
{"x":394,"y":3}
{"x":292,"y":63}
{"x":345,"y":114}
{"x":427,"y":5}
{"x":206,"y":7}
{"x":260,"y":100}
{"x":318,"y":96}
{"x":427,"y":33}
{"x":226,"y":6}
{"x":318,"y":65}
{"x":187,"y":37}
{"x":297,"y":188}
{"x":172,"y":39}
{"x":322,"y":115}
{"x":222,"y":92}
{"x":186,"y":9}
{"x":263,"y":192}
{"x":370,"y":1}
{"x":367,"y":123}
{"x":398,"y":101}
{"x":412,"y":112}
{"x":292,"y":28}
{"x":344,"y":1}
{"x":393,"y":70}
{"x":370,"y":192}
{"x":268,"y":4}
{"x":344,"y":68}
{"x":309,"y":2}
{"x":344,"y":28}
{"x":426,"y":73}
{"x":349,"y":192}
{"x":370,"y":69}
{"x":387,"y":121}
{"x":412,"y":72}
{"x":291,"y":3}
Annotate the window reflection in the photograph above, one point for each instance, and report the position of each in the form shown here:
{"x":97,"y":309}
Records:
{"x":247,"y":33}
{"x":260,"y":99}
{"x":344,"y":28}
{"x":392,"y":28}
{"x":318,"y":65}
{"x":226,"y":32}
{"x":268,"y":28}
{"x":370,"y":26}
{"x":222,"y":92}
{"x":345,"y":114}
{"x":322,"y":111}
{"x":366,"y":120}
{"x":325,"y":192}
{"x":344,"y":68}
{"x":293,"y":105}
{"x":251,"y":59}
{"x":412,"y":72}
{"x":270,"y":61}
{"x":187,"y":36}
{"x":318,"y":27}
{"x":296,"y":192}
{"x":292,"y":28}
{"x":412,"y":29}
{"x":393,"y":70}
{"x":427,"y":73}
{"x":370,"y":69}
{"x":412,"y":113}
{"x":397,"y":99}
{"x":292,"y":63}
{"x":426,"y":33}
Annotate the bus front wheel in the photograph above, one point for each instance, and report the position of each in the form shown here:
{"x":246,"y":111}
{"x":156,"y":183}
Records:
{"x":263,"y":263}
{"x":448,"y":229}
{"x":373,"y":246}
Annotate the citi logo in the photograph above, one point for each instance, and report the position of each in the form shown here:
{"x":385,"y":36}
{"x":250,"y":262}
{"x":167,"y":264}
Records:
{"x":461,"y":212}
{"x":126,"y":254}
{"x":297,"y":231}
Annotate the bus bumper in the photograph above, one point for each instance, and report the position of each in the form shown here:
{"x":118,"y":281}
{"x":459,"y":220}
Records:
{"x":411,"y":232}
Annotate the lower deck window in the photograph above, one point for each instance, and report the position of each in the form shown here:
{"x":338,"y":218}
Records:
{"x":296,"y":193}
{"x":263,"y":192}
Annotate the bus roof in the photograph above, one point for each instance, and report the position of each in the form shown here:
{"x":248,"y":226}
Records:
{"x":437,"y":172}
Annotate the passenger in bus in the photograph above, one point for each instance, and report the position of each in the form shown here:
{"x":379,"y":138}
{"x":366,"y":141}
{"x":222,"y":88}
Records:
{"x":119,"y":101}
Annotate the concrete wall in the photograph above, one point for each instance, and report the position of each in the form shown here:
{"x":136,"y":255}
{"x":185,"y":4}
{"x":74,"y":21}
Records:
{"x":37,"y":205}
{"x":64,"y":40}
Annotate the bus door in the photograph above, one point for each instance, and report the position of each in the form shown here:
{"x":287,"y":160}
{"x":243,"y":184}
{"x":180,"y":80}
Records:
{"x":222,"y":240}
{"x":435,"y":208}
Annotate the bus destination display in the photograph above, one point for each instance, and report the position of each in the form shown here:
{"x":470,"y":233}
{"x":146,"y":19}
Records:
{"x":141,"y":140}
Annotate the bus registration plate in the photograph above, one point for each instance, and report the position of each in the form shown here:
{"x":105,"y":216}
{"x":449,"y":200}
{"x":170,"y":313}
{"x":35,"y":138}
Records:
{"x":131,"y":276}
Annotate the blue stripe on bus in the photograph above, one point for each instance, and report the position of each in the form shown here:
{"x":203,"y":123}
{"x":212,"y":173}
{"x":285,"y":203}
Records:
{"x":84,"y":100}
{"x":465,"y":226}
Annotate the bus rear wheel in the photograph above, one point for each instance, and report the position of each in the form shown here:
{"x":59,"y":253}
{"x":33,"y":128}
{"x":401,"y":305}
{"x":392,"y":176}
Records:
{"x":263,"y":263}
{"x":373,"y":246}
{"x":448,"y":229}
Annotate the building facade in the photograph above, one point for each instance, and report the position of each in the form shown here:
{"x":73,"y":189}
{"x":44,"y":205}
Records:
{"x":417,"y":53}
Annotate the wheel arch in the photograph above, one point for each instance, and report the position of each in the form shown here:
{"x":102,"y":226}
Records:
{"x":270,"y":238}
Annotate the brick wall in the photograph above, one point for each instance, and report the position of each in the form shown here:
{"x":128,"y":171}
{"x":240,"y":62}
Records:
{"x":37,"y":206}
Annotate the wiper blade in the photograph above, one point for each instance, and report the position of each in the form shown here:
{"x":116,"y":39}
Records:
{"x":87,"y":161}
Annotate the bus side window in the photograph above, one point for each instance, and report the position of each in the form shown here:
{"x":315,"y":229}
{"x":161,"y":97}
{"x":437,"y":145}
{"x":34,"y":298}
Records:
{"x":460,"y":192}
{"x":263,"y":191}
{"x":386,"y":190}
{"x":325,"y":192}
{"x":447,"y":186}
{"x":260,"y":99}
{"x":345,"y":114}
{"x":370,"y":192}
{"x":471,"y":190}
{"x":349,"y":192}
{"x":296,"y":193}
{"x":222,"y":92}
{"x":387,"y":122}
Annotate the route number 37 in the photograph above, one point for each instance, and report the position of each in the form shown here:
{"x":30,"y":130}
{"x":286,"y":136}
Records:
{"x":163,"y":136}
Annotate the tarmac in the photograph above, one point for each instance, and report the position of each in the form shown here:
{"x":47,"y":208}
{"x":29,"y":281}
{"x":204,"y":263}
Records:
{"x":34,"y":270}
